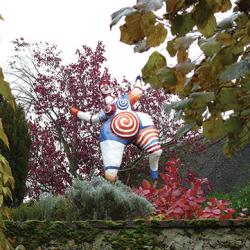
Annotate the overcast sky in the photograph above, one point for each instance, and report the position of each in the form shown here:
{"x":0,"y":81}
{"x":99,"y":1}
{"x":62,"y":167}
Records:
{"x":70,"y":24}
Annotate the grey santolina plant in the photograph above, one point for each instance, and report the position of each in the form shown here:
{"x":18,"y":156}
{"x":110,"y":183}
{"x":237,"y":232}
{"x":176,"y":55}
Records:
{"x":87,"y":200}
{"x":99,"y":199}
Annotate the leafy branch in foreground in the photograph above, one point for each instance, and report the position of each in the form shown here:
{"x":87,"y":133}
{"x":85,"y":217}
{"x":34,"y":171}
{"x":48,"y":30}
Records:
{"x":217,"y":83}
{"x":6,"y":178}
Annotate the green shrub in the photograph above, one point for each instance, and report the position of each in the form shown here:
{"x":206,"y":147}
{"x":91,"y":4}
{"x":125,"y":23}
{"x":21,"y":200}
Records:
{"x":47,"y":208}
{"x":241,"y":199}
{"x":95,"y":199}
{"x":27,"y":211}
{"x":99,"y":199}
{"x":219,"y":195}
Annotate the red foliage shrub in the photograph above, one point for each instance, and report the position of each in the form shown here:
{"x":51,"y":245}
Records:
{"x":183,"y":198}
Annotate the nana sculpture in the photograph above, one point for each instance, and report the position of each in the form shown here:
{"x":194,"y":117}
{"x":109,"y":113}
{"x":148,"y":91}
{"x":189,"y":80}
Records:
{"x":122,"y":126}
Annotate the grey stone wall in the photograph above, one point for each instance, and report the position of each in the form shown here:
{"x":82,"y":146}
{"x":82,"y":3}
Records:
{"x":224,"y":174}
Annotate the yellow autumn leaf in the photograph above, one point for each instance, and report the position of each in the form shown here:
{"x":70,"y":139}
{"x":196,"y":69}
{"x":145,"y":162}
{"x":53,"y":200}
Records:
{"x":224,"y":5}
{"x":3,"y":136}
{"x":147,"y":23}
{"x":174,"y":5}
{"x":157,"y":36}
{"x":131,"y":31}
{"x":5,"y":91}
{"x":181,"y":78}
{"x":182,"y":55}
{"x":4,"y":166}
{"x":1,"y":200}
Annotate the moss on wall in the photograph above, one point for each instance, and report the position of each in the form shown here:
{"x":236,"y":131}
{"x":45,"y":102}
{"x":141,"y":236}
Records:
{"x":138,"y":234}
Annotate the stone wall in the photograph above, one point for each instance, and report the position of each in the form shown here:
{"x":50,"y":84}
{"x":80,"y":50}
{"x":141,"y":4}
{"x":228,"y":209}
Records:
{"x":224,"y":174}
{"x":130,"y":235}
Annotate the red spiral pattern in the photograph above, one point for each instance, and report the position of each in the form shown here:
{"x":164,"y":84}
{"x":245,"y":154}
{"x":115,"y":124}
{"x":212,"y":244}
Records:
{"x":125,"y":124}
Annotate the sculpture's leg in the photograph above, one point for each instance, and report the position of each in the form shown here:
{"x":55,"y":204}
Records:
{"x":112,"y":152}
{"x":154,"y":163}
{"x":148,"y":140}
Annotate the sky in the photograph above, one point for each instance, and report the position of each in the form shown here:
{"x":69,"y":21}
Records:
{"x":70,"y":24}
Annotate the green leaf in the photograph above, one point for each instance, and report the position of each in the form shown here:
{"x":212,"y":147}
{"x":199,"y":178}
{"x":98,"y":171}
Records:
{"x":155,"y":62}
{"x":158,"y":36}
{"x":183,"y":42}
{"x":185,"y":67}
{"x":202,"y":12}
{"x":167,"y":77}
{"x":235,"y":71}
{"x":184,"y":129}
{"x":247,"y":85}
{"x":182,"y":104}
{"x":179,"y":43}
{"x":209,"y":28}
{"x":182,"y":24}
{"x":228,"y":99}
{"x":233,"y":125}
{"x":245,"y":112}
{"x":224,"y":57}
{"x":204,"y":97}
{"x":210,"y":47}
{"x":213,"y":128}
{"x":171,"y":48}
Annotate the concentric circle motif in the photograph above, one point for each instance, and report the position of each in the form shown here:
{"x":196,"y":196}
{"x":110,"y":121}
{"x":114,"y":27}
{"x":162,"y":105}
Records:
{"x":110,"y":109}
{"x":122,"y":104}
{"x":125,"y":124}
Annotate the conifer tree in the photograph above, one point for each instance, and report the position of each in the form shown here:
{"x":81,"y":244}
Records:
{"x":16,"y":128}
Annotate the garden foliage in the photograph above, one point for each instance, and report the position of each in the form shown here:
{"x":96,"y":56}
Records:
{"x":214,"y":82}
{"x":184,"y":198}
{"x":16,"y":128}
{"x":95,"y":199}
{"x":6,"y":178}
{"x":241,"y":199}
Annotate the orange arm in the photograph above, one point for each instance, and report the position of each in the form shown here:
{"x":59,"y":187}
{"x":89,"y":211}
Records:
{"x":134,"y":95}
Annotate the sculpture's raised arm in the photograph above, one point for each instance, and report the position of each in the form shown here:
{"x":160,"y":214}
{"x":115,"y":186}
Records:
{"x":88,"y":117}
{"x":136,"y":93}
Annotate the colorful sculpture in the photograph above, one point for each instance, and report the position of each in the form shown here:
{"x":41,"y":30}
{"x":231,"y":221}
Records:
{"x":121,"y":127}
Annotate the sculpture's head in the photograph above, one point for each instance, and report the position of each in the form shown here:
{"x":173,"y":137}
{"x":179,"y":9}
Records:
{"x":105,"y":88}
{"x":106,"y":91}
